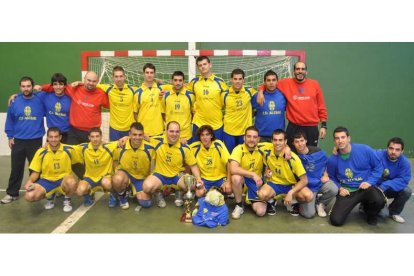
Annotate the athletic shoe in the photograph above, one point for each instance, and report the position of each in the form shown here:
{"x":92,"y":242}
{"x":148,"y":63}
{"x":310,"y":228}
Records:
{"x":8,"y":199}
{"x":294,"y":210}
{"x":112,"y":202}
{"x":50,"y":203}
{"x":271,"y":208}
{"x":88,"y":200}
{"x":320,"y":209}
{"x":178,"y":199}
{"x":237,"y":212}
{"x":160,"y":200}
{"x":67,"y":205}
{"x":398,"y":218}
{"x":123,"y":201}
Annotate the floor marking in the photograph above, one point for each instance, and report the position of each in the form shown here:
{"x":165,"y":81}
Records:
{"x":75,"y":216}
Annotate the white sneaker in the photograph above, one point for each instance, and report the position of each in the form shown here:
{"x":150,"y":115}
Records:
{"x":160,"y":200}
{"x":50,"y":204}
{"x":178,"y":199}
{"x":398,"y":218}
{"x":8,"y":199}
{"x":67,"y":205}
{"x":320,"y":209}
{"x":237,"y":212}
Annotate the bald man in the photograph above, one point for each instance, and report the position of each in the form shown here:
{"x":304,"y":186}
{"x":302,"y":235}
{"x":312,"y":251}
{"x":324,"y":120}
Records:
{"x":85,"y":109}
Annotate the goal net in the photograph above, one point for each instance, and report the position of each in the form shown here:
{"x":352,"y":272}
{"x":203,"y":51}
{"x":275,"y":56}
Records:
{"x":254,"y":63}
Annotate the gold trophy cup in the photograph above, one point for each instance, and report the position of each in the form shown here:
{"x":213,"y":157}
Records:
{"x":189,"y":181}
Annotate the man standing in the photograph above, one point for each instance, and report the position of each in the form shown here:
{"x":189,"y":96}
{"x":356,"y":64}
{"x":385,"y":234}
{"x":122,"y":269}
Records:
{"x":395,"y":177}
{"x":270,"y":115}
{"x":25,"y":129}
{"x":238,"y":110}
{"x":356,"y":169}
{"x":121,"y":96}
{"x":178,"y":104}
{"x":147,"y":103}
{"x":305,"y":105}
{"x":85,"y":108}
{"x":208,"y":107}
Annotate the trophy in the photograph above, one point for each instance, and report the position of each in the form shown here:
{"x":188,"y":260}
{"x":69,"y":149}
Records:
{"x":189,"y":182}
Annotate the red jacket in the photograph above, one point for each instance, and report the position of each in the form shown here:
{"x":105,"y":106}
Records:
{"x":85,"y":108}
{"x":305,"y":101}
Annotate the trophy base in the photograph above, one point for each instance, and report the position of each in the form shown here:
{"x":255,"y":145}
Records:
{"x":186,"y":218}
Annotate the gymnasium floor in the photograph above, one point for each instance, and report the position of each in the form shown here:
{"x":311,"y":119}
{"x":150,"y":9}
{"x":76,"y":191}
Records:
{"x":24,"y":217}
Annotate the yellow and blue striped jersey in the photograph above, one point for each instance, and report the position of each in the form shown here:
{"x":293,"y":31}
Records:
{"x":98,"y":163}
{"x":212,"y":162}
{"x":249,"y":160}
{"x":147,"y":104}
{"x":178,"y":107}
{"x":238,"y":110}
{"x":137,"y":162}
{"x":170,"y":159}
{"x":208,"y":106}
{"x":284,"y":172}
{"x":121,"y":105}
{"x":54,"y":165}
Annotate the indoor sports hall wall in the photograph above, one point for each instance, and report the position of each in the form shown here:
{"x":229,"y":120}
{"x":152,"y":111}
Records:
{"x":368,"y":87}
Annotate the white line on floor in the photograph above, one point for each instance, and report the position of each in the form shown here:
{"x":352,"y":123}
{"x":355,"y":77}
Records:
{"x":75,"y":216}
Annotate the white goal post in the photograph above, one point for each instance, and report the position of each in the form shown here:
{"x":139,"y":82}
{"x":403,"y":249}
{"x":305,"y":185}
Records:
{"x":254,"y":63}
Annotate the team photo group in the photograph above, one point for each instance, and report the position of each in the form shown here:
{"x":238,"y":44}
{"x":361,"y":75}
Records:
{"x":230,"y":137}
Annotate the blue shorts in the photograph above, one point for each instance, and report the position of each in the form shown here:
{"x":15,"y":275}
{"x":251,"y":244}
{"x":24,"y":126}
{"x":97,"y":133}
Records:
{"x":280,"y":189}
{"x":167,"y":180}
{"x":232,"y":141}
{"x":115,"y":135}
{"x":213,"y":183}
{"x":95,"y":186}
{"x":50,"y":186}
{"x":136,"y":183}
{"x":251,"y":189}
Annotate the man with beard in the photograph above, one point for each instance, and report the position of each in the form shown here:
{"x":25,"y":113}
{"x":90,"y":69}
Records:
{"x":305,"y":105}
{"x":25,"y":129}
{"x":395,"y":177}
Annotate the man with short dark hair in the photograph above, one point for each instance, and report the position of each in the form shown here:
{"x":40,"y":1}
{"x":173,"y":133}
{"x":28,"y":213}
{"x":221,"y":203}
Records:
{"x":314,"y":161}
{"x":395,"y":177}
{"x":356,"y":170}
{"x":25,"y":129}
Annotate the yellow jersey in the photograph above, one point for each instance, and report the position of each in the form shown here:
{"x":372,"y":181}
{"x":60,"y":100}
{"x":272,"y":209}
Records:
{"x":249,"y":160}
{"x":98,"y":163}
{"x":284,"y":172}
{"x":54,"y":165}
{"x":170,"y":159}
{"x":238,"y":110}
{"x":178,"y":107}
{"x":212,"y":162}
{"x":208,"y":106}
{"x":137,"y":162}
{"x":147,"y":104}
{"x":121,"y":105}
